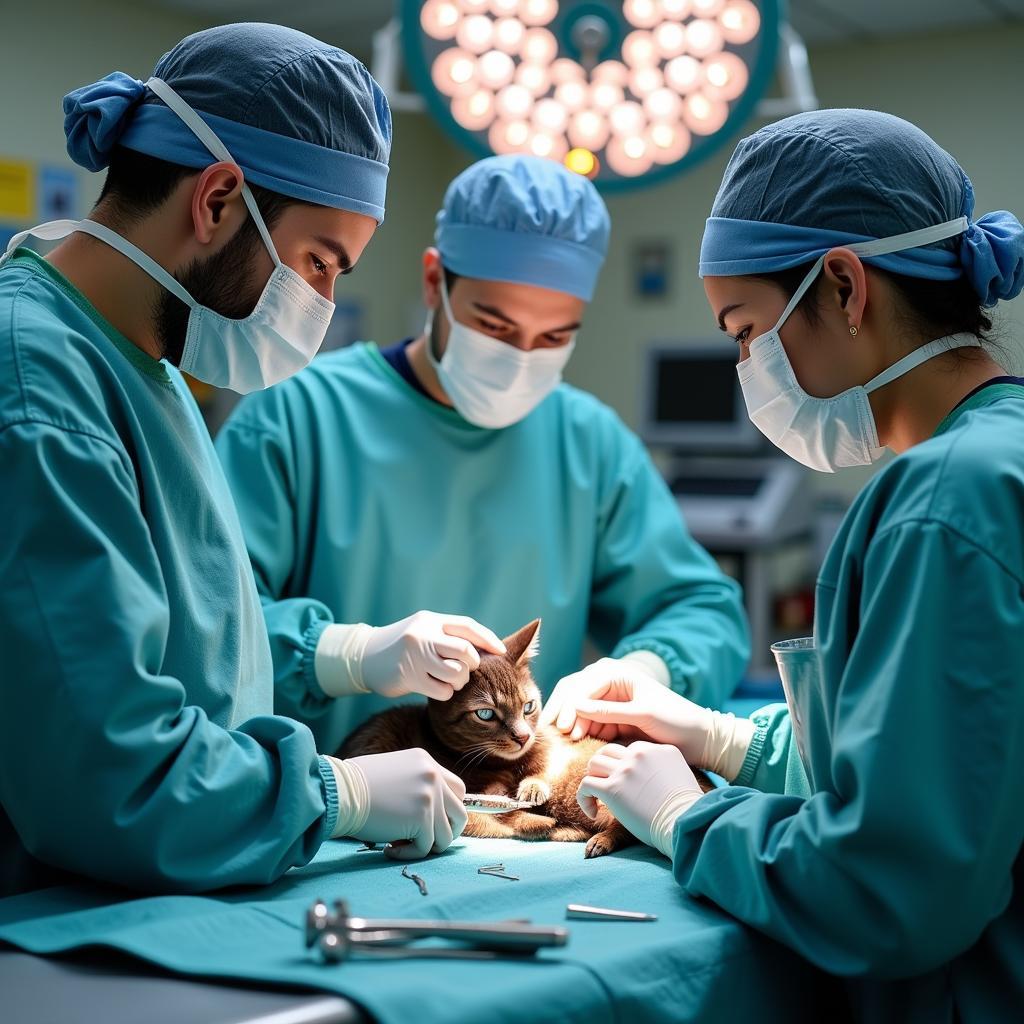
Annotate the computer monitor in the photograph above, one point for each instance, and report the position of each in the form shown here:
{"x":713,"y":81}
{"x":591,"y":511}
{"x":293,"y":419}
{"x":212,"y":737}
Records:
{"x":692,"y":400}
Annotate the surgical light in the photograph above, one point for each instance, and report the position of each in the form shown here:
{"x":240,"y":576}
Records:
{"x":572,"y":95}
{"x":582,"y":161}
{"x":508,"y":35}
{"x":538,"y":12}
{"x":639,"y":50}
{"x":475,"y":33}
{"x":642,"y":13}
{"x":670,"y":39}
{"x":621,"y":91}
{"x":440,"y":19}
{"x":496,"y":69}
{"x":514,"y":101}
{"x":589,"y":130}
{"x":475,"y":111}
{"x":539,"y":47}
{"x":550,"y":116}
{"x":676,"y":10}
{"x":644,"y":81}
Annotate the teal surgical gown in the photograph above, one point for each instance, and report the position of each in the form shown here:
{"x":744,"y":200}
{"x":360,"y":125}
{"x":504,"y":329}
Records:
{"x":137,"y":742}
{"x":896,"y":862}
{"x":362,"y":500}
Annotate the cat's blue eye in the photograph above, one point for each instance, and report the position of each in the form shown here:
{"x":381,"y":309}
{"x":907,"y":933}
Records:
{"x":485,"y":714}
{"x":529,"y":706}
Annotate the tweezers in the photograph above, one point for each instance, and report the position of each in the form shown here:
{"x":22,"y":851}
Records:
{"x":581,"y":912}
{"x":485,"y":803}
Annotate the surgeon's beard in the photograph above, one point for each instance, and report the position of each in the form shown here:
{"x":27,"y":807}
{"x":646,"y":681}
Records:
{"x":223,"y":282}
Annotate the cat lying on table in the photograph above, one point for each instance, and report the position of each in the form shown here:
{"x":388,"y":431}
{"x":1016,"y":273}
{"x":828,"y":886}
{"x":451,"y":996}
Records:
{"x":487,"y":735}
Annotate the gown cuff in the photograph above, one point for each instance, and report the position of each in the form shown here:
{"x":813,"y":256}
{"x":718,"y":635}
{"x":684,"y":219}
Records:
{"x":753,"y":759}
{"x":353,"y":797}
{"x":330,"y":782}
{"x":310,"y":639}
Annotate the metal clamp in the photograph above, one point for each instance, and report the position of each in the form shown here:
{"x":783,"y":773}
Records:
{"x":338,"y":936}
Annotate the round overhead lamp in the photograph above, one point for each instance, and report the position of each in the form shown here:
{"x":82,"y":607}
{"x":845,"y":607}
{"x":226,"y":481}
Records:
{"x":625,"y":93}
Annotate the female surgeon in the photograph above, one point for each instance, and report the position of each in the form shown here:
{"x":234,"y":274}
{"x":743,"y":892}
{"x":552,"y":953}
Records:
{"x":875,"y":826}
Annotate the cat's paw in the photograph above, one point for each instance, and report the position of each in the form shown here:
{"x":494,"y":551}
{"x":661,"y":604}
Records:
{"x":534,"y":791}
{"x":603,"y":843}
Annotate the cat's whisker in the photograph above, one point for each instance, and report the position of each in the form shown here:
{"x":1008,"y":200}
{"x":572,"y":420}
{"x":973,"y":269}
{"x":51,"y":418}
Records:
{"x":488,"y":751}
{"x":476,"y":748}
{"x":477,"y":758}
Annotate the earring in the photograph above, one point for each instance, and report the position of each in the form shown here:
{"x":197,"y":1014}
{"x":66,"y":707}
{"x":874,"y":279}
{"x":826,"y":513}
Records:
{"x":853,"y":330}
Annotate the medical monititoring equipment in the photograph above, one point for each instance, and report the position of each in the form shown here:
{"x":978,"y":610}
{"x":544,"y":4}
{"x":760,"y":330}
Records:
{"x":692,"y":403}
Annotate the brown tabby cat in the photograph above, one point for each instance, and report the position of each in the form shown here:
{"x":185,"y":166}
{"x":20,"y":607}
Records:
{"x":487,"y":735}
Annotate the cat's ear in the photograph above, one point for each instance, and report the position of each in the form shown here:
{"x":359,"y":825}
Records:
{"x":523,"y":644}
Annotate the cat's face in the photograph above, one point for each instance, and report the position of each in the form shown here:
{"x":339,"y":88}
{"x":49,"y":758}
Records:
{"x":495,"y":714}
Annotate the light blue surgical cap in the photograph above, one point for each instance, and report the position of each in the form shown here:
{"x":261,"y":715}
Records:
{"x":300,"y":117}
{"x":526,"y":220}
{"x":799,"y":187}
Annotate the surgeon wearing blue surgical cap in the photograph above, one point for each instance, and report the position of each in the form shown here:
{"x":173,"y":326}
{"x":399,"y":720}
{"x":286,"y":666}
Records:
{"x":405,"y":505}
{"x":138,"y":743}
{"x":874,"y":825}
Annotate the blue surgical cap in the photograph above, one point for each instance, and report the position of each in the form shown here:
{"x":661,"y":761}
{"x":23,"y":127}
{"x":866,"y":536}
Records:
{"x":799,"y":187}
{"x":300,"y":117}
{"x":526,"y":220}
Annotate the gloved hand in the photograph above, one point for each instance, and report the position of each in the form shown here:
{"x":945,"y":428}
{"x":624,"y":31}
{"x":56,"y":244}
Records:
{"x":647,"y":786}
{"x":404,"y":797}
{"x":425,"y":653}
{"x":609,"y":675}
{"x":634,"y":706}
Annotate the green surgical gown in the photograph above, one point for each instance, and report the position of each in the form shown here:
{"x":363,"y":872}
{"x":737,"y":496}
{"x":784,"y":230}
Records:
{"x":897,"y":861}
{"x":137,"y":741}
{"x":362,"y":500}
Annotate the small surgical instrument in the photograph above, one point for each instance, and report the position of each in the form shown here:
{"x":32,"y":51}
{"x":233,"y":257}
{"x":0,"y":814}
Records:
{"x":406,"y":873}
{"x":487,"y":803}
{"x":497,"y":871}
{"x":581,"y":912}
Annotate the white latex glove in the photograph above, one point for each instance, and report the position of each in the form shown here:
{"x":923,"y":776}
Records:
{"x":596,"y":680}
{"x":404,"y":797}
{"x":647,"y":786}
{"x":638,"y":707}
{"x":425,"y":653}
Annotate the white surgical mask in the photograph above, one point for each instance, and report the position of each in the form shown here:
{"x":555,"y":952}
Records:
{"x":491,"y":383}
{"x":277,"y":339}
{"x":827,"y":434}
